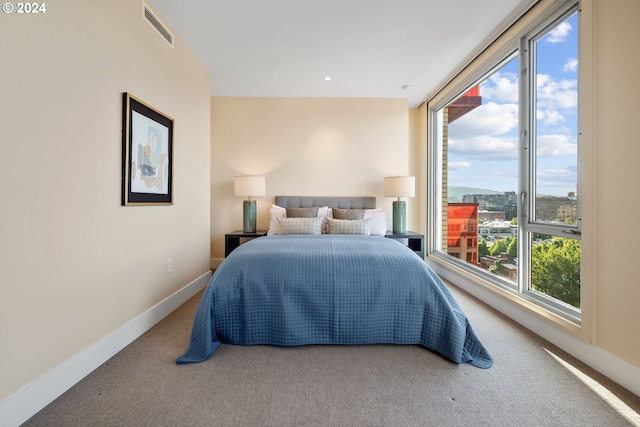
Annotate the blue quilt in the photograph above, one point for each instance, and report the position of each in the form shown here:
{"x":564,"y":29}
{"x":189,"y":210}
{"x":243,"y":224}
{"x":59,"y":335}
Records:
{"x":330,"y":289}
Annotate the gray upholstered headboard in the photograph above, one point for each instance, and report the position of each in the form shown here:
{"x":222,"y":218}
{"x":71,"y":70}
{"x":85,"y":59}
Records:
{"x":341,"y":202}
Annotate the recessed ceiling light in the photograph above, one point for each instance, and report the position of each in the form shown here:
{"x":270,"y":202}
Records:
{"x":406,"y":87}
{"x":327,"y":78}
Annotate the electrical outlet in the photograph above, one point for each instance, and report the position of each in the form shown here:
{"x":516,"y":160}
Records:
{"x":169,"y":265}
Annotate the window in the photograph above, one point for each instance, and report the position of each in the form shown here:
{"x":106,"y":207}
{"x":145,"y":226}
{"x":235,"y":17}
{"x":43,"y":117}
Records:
{"x":506,"y":168}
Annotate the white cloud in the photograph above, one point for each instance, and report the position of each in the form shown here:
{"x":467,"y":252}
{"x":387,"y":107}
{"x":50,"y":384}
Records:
{"x":555,"y":145}
{"x":559,"y":33}
{"x":549,"y":117}
{"x":500,"y":87}
{"x":487,"y":132}
{"x":566,"y":178}
{"x":458,"y":166}
{"x":490,"y":131}
{"x":488,"y":147}
{"x":552,"y":93}
{"x":488,"y":119}
{"x":570,"y":66}
{"x":485,"y":147}
{"x":564,"y":175}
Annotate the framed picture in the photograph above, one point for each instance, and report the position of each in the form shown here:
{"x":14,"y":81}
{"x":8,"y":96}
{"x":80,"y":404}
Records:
{"x":147,"y":154}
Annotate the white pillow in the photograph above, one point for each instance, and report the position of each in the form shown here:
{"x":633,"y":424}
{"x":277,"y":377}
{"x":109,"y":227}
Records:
{"x":299,"y":225}
{"x":349,"y":226}
{"x":378,"y":221}
{"x":274,"y":213}
{"x":324,"y":212}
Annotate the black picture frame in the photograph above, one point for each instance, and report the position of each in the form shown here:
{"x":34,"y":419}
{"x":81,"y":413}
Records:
{"x":147,"y":154}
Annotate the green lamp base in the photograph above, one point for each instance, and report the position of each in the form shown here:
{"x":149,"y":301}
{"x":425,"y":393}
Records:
{"x":249,"y":216}
{"x":399,"y":217}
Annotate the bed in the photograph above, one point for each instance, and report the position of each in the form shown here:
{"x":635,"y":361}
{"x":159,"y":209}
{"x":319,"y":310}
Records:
{"x":345,"y":285}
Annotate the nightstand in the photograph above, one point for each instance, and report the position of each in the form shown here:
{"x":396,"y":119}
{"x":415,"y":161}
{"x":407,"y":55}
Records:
{"x":415,"y":241}
{"x":232,"y":240}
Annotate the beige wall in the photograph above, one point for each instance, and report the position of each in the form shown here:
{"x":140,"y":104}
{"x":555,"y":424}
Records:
{"x":304,"y":146}
{"x":74,"y":264}
{"x":417,"y":159}
{"x":616,"y":154}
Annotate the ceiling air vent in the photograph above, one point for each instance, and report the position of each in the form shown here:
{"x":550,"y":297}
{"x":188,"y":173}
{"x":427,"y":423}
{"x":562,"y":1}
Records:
{"x":153,"y":20}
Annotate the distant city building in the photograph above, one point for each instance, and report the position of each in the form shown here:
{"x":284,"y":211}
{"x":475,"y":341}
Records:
{"x":491,"y":215}
{"x":506,"y":202}
{"x":554,"y":208}
{"x":496,"y":230}
{"x":548,"y":208}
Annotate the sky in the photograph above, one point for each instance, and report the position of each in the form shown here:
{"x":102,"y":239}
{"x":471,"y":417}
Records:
{"x":483,"y":144}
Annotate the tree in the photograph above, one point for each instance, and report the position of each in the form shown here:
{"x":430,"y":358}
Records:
{"x":497,"y":247}
{"x":497,"y":268}
{"x":512,"y":248}
{"x":483,"y":250}
{"x":508,"y":245}
{"x":555,"y":269}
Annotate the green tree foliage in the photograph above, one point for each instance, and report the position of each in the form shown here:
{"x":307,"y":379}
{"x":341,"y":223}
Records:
{"x":497,"y":247}
{"x":503,"y":245}
{"x":512,"y":247}
{"x":497,"y":268}
{"x":555,"y":269}
{"x":483,"y":250}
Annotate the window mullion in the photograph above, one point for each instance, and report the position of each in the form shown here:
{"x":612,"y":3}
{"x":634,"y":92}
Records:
{"x":526,"y":166}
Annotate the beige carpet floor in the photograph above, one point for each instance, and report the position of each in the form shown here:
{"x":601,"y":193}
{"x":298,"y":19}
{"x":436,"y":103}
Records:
{"x":377,"y":385}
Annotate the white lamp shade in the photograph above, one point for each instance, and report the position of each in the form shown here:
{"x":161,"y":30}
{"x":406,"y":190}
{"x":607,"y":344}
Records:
{"x":399,"y":186}
{"x":249,"y":186}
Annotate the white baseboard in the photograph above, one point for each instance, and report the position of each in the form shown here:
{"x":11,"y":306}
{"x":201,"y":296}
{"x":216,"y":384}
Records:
{"x":25,"y":403}
{"x":609,"y":365}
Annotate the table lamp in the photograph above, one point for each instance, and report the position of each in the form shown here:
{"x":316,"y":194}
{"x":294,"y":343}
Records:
{"x":399,"y":186}
{"x":249,"y":186}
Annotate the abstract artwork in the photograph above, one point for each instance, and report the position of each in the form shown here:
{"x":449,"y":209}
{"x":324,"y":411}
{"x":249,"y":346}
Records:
{"x":147,"y":152}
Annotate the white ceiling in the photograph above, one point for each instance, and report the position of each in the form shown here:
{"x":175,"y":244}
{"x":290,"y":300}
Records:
{"x":369,"y":48}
